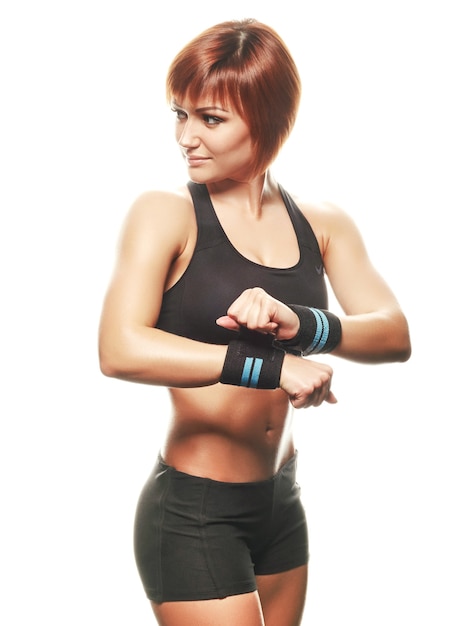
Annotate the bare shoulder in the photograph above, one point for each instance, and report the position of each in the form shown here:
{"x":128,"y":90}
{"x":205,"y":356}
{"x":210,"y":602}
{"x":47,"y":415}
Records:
{"x":163,"y":206}
{"x":327,"y":220}
{"x":160,"y":215}
{"x":322,"y":213}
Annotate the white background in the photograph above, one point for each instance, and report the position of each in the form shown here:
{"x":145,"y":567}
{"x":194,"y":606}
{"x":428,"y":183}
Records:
{"x":84,"y":130}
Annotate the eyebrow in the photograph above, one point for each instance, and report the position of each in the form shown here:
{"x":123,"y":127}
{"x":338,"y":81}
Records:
{"x":212,"y":108}
{"x":203,"y":109}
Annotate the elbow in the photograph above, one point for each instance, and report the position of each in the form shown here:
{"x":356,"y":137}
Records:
{"x":401,"y":347}
{"x":405,"y":344}
{"x":122,"y":355}
{"x":405,"y":350}
{"x":404,"y":354}
{"x":108,"y":371}
{"x":109,"y":366}
{"x":118,"y":360}
{"x":113,"y":362}
{"x":115,"y":355}
{"x":117,"y":368}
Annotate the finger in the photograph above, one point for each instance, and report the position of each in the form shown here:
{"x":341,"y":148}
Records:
{"x":325,"y":396}
{"x":328,"y":396}
{"x":300,"y":402}
{"x":231,"y":324}
{"x":266,"y":328}
{"x":259,"y":316}
{"x":304,"y":402}
{"x":251,"y":309}
{"x":241,"y":305}
{"x":228,"y":322}
{"x":254,"y":316}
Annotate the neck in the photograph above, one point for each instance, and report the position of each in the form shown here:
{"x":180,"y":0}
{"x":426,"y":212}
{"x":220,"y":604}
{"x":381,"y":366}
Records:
{"x":249,"y":195}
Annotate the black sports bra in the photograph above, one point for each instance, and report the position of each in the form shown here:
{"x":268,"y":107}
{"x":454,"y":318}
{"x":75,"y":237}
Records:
{"x":217,"y":274}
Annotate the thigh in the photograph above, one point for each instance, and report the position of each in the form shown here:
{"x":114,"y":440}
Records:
{"x":243,"y":610}
{"x":283,"y":596}
{"x":188,"y":544}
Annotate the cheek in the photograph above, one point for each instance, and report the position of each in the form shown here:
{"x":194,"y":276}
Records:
{"x":246,"y":148}
{"x":239,"y":145}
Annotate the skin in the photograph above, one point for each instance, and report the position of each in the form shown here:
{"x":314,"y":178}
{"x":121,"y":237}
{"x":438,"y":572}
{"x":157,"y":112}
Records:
{"x":211,"y":423}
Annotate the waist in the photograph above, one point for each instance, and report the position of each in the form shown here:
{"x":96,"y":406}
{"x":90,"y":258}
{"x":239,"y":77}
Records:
{"x":233,"y":435}
{"x":287,"y":469}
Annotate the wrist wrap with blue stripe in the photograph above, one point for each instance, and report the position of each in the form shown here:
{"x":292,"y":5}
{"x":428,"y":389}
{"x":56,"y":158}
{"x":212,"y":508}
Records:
{"x":319,"y":331}
{"x":251,"y":361}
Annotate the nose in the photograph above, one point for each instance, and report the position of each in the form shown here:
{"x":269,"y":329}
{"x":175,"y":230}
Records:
{"x":187,"y":136}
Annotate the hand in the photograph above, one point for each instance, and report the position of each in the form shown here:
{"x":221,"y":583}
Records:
{"x":257,"y":310}
{"x":307,"y":383}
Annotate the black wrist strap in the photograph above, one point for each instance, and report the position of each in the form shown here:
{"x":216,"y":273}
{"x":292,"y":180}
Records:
{"x":319,"y":332}
{"x":252,"y":361}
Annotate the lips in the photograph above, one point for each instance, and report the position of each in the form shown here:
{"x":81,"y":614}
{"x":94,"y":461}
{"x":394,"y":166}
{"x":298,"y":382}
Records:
{"x":195,"y":159}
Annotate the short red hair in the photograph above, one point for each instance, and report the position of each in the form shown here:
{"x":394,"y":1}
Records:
{"x":244,"y":63}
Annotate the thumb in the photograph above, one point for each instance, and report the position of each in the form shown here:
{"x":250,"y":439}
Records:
{"x":227,"y":322}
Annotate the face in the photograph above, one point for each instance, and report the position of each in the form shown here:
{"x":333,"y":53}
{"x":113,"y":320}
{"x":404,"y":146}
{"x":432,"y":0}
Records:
{"x":215,"y":141}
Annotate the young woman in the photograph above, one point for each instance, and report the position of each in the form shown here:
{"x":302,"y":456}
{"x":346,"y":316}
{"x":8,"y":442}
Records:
{"x":219,"y":294}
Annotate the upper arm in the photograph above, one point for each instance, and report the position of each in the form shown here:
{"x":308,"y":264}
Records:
{"x":155,"y":247}
{"x":155,"y":234}
{"x":356,"y":283}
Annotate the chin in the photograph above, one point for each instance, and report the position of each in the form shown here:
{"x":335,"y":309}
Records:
{"x":201,"y":178}
{"x":195,"y":178}
{"x":206,"y":179}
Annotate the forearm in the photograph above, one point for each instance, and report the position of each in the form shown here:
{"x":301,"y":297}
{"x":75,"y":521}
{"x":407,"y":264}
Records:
{"x":151,"y":356}
{"x":379,"y":337}
{"x":376,"y":337}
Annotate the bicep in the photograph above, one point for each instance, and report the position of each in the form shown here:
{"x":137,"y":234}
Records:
{"x":356,"y":283}
{"x":147,"y":247}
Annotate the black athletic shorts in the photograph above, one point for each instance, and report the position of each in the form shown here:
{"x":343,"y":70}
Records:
{"x":198,"y":539}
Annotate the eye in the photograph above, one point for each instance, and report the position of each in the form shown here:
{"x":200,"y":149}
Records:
{"x":180,"y":115}
{"x":212,"y":120}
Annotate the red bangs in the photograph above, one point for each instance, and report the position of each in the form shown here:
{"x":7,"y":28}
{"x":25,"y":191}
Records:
{"x":247,"y":65}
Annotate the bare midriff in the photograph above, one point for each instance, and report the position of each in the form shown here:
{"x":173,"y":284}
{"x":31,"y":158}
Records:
{"x":229,"y":434}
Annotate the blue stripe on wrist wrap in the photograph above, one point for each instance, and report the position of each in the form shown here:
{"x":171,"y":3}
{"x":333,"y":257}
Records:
{"x":319,"y":331}
{"x":251,"y":361}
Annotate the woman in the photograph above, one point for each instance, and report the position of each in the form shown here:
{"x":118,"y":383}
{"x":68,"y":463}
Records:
{"x":218,"y":293}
